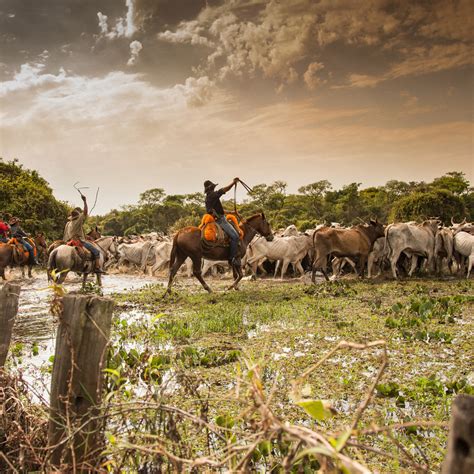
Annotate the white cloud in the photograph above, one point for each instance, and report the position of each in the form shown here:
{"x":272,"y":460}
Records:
{"x":135,"y":48}
{"x":124,"y":26}
{"x":187,"y":32}
{"x":30,"y":76}
{"x":311,"y":76}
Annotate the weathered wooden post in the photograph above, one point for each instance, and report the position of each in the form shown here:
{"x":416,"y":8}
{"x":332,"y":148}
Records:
{"x":9,"y":294}
{"x":460,"y":456}
{"x":76,"y":384}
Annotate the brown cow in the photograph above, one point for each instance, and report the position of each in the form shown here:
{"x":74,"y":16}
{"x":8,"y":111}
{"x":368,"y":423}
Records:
{"x":355,"y":242}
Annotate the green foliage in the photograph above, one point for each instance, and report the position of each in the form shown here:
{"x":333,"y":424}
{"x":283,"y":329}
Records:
{"x":25,"y":194}
{"x":437,"y":203}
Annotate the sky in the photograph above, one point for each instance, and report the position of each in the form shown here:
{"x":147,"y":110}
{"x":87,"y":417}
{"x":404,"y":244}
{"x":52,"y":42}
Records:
{"x":130,"y":95}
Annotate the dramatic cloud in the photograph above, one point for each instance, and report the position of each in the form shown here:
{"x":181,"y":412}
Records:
{"x":311,"y":77}
{"x":124,"y":26}
{"x":171,"y":92}
{"x":135,"y":48}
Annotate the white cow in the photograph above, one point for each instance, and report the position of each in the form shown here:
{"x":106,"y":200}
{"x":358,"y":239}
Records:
{"x":162,"y":257}
{"x":464,"y":245}
{"x":413,"y":240}
{"x":376,"y":256}
{"x":286,"y":249}
{"x":444,"y":247}
{"x":139,"y":253}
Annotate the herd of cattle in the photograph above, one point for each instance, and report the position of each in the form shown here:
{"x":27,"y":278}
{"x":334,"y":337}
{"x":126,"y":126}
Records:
{"x":402,"y":248}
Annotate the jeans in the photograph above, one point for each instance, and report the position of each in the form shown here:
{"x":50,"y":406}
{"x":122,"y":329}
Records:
{"x":27,"y":247}
{"x":91,"y":249}
{"x":234,"y":237}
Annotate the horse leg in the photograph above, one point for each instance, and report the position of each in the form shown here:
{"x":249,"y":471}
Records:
{"x":179,"y":260}
{"x":2,"y":273}
{"x":30,"y":274}
{"x":197,"y":273}
{"x":238,"y":271}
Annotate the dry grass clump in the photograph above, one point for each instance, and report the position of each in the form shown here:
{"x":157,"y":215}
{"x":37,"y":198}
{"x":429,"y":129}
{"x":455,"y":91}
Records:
{"x":23,"y":427}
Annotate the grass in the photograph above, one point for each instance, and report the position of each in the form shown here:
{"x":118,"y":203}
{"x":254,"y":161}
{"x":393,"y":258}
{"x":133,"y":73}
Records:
{"x":427,"y":324}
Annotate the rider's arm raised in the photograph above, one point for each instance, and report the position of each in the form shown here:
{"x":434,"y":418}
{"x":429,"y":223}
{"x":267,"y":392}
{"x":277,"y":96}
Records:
{"x":231,"y":185}
{"x":86,"y":209}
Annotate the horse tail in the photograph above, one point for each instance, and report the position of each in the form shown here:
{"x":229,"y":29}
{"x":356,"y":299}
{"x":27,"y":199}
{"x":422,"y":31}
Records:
{"x":174,"y":250}
{"x":52,"y":261}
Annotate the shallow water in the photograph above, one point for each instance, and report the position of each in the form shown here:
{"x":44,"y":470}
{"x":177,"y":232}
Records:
{"x":34,"y":332}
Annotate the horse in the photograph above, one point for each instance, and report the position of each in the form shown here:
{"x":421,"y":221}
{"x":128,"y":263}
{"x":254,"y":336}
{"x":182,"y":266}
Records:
{"x":65,"y":258}
{"x":187,"y":243}
{"x":10,"y":256}
{"x":41,"y":247}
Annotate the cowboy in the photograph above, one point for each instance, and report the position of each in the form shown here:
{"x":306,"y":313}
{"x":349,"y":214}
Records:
{"x":4,"y":229}
{"x":214,"y":207}
{"x":74,"y":230}
{"x":19,"y":234}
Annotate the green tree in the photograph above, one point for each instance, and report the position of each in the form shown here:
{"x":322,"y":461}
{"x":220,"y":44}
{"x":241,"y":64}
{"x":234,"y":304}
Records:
{"x":437,"y":203}
{"x":25,"y":194}
{"x":453,"y":181}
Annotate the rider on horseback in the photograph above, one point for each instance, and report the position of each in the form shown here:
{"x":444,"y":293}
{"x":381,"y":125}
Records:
{"x":4,"y":229}
{"x":74,"y":230}
{"x":19,"y":234}
{"x":214,"y":207}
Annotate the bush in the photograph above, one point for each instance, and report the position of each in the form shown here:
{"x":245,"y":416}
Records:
{"x":423,"y":205}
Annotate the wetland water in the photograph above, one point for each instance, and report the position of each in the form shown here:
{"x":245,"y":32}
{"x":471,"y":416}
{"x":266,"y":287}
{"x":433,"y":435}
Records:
{"x":34,"y":332}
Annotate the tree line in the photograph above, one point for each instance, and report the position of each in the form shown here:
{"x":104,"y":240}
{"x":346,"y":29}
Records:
{"x":26,"y":194}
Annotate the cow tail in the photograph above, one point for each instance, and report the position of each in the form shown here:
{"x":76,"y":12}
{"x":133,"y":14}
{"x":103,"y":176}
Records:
{"x":386,"y":245}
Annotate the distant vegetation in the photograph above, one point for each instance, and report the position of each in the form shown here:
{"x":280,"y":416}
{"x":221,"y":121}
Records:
{"x":26,"y":194}
{"x":445,"y":197}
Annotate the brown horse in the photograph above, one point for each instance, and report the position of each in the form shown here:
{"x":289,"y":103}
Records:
{"x":187,"y":243}
{"x":15,"y":256}
{"x":41,"y":248}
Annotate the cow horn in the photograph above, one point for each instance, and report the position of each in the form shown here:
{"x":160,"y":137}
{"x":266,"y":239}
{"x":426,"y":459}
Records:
{"x":463,"y":221}
{"x":452,"y":221}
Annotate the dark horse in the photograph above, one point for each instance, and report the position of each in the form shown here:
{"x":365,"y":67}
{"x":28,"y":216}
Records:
{"x":187,"y":243}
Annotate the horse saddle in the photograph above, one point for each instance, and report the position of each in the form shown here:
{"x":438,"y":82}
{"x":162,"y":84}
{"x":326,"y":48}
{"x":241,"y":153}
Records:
{"x":20,"y":254}
{"x":212,"y":233}
{"x":83,"y":253}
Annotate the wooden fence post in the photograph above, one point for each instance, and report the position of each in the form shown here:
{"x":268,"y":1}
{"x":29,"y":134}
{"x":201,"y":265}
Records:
{"x":77,"y":377}
{"x":460,"y":456}
{"x":9,"y":294}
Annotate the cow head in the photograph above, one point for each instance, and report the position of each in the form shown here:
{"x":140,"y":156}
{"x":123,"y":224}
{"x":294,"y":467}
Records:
{"x":377,"y":228}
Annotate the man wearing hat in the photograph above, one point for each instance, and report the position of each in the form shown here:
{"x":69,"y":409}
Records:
{"x":74,"y":230}
{"x":18,"y":233}
{"x":214,"y":207}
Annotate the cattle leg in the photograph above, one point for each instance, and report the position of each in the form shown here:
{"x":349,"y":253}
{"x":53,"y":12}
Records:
{"x":370,"y":264}
{"x":362,"y":262}
{"x":414,"y":263}
{"x":284,"y":268}
{"x":2,"y":273}
{"x":300,"y":268}
{"x":393,"y":264}
{"x":470,"y":263}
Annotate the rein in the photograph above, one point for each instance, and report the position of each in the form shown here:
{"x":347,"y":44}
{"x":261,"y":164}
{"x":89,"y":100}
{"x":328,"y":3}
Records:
{"x":247,"y":188}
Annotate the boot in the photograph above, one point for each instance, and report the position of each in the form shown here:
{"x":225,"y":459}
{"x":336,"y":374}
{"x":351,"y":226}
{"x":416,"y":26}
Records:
{"x":97,"y":268}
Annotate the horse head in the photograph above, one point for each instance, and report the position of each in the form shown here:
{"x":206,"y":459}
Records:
{"x":260,"y":224}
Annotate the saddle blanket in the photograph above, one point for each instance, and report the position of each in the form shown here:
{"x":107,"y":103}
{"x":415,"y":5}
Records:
{"x":211,"y":231}
{"x":80,"y":249}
